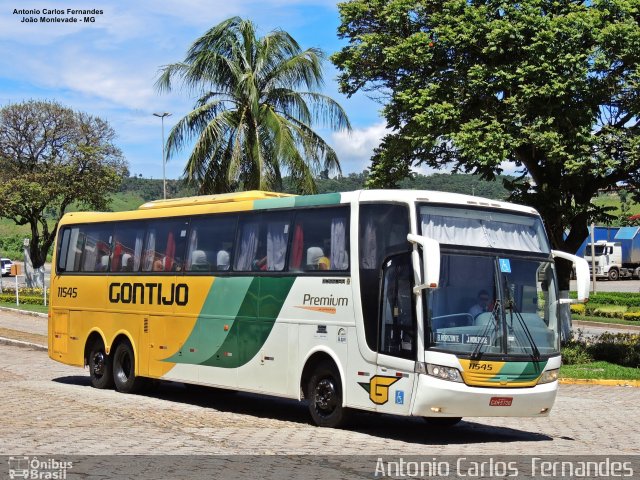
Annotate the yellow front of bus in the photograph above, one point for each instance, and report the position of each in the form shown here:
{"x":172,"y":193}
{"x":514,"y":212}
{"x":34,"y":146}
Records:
{"x":490,"y":317}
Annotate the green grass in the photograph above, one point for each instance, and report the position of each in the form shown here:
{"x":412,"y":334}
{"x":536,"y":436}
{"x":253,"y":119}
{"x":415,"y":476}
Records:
{"x":30,"y":308}
{"x":612,"y":200}
{"x":616,"y":321}
{"x":600,"y":371}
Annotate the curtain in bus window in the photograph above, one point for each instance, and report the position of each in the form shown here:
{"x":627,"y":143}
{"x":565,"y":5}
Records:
{"x":75,"y":252}
{"x":368,"y":249}
{"x":339,"y":257}
{"x":248,"y":246}
{"x":480,"y":233}
{"x":520,"y":237}
{"x":150,"y":251}
{"x":116,"y":258}
{"x":138,"y":252}
{"x":276,"y":245}
{"x":170,"y":253}
{"x":193,"y":246}
{"x":297,"y":248}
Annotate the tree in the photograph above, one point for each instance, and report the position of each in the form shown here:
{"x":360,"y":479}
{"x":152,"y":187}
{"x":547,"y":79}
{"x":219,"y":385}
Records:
{"x":550,"y":85}
{"x":52,"y":157}
{"x":250,"y":121}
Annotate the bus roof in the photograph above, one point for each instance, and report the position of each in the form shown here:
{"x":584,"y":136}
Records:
{"x":212,"y":199}
{"x":259,"y":200}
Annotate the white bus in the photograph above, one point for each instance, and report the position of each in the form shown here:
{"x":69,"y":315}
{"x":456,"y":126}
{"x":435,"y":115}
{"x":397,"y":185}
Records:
{"x":417,"y":303}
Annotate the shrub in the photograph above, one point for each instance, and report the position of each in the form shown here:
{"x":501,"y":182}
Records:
{"x":578,"y":308}
{"x":575,"y":352}
{"x":24,"y":299}
{"x":619,"y":348}
{"x":634,"y":316}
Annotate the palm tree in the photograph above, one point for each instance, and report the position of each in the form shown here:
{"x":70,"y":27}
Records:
{"x":249,"y":122}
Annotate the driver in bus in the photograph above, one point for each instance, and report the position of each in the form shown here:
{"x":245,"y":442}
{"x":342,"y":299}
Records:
{"x":482,"y":304}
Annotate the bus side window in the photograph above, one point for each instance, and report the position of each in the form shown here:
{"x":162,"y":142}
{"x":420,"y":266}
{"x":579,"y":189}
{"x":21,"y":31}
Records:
{"x":210,"y":236}
{"x":320,"y":240}
{"x":262,"y":242}
{"x":165,"y":245}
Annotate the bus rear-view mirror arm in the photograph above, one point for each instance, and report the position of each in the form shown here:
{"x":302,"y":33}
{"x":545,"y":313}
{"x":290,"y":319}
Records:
{"x":582,"y":276}
{"x":430,"y":261}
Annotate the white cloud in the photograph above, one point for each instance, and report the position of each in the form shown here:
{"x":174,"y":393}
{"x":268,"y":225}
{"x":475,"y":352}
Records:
{"x":356,"y":148}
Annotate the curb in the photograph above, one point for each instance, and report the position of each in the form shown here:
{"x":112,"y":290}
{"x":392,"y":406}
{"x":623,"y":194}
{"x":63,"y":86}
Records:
{"x":20,"y":343}
{"x":588,"y":323}
{"x":24,"y":312}
{"x":595,"y":381}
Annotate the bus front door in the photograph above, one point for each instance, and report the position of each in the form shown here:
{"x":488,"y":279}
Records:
{"x":397,"y":340}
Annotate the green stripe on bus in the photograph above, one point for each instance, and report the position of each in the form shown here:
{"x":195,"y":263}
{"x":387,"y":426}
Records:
{"x":248,"y":333}
{"x":519,"y":371}
{"x":285,"y":202}
{"x":314,"y":200}
{"x":300,"y":201}
{"x":221,"y":307}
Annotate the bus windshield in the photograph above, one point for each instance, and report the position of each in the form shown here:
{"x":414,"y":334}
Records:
{"x":491,"y":305}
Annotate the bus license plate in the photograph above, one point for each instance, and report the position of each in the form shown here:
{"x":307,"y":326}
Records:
{"x":500,"y":401}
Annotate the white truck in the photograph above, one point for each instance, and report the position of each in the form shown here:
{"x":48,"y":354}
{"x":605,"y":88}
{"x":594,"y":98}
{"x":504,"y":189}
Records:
{"x":617,"y":258}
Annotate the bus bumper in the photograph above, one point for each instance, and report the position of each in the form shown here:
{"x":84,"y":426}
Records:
{"x":442,"y":398}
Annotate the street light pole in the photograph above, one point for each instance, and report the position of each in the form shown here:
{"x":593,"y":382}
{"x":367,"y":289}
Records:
{"x":164,"y":157}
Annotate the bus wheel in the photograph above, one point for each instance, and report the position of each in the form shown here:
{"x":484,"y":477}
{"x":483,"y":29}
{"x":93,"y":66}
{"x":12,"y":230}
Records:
{"x":100,"y":367}
{"x":324,"y":392}
{"x":124,"y":367}
{"x":442,"y":422}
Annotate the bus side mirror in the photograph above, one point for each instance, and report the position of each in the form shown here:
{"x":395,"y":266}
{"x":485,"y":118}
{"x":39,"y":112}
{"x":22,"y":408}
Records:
{"x":582,"y":274}
{"x":430,"y":261}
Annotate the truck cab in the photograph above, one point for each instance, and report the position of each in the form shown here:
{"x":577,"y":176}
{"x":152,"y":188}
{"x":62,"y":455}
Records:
{"x":609,"y":260}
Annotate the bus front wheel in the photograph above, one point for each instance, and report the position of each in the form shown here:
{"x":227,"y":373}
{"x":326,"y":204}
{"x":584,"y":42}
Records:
{"x":124,"y":367}
{"x":100,"y":367}
{"x":324,"y":392}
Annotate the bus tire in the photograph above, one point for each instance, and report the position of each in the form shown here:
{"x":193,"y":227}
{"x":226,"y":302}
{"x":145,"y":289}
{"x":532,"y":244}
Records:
{"x":124,"y":368}
{"x":324,"y":392}
{"x":442,"y":422}
{"x":100,"y":367}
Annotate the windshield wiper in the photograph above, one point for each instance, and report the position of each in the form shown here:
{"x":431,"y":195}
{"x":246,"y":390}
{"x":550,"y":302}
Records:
{"x":477,"y":351}
{"x":511,"y":305}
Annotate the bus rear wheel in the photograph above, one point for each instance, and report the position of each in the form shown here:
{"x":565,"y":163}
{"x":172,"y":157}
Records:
{"x":100,"y":367}
{"x":124,"y":368}
{"x":442,"y":422}
{"x":324,"y":392}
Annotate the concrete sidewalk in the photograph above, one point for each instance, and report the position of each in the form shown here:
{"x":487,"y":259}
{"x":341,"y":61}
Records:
{"x":19,"y":327}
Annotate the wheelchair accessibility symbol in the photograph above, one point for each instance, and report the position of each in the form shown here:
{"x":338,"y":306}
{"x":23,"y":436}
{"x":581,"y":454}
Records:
{"x":399,"y":397}
{"x":505,"y":265}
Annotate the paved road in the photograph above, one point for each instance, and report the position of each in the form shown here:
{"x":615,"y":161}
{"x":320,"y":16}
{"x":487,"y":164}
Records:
{"x":49,"y":408}
{"x":632,"y":286}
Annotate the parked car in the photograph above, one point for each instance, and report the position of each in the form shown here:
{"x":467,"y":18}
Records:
{"x":6,"y":266}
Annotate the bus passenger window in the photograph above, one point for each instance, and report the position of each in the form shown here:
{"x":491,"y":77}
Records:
{"x":165,"y":245}
{"x":210,"y":243}
{"x":263,"y":242}
{"x":97,"y":248}
{"x":127,"y":246}
{"x":320,"y":240}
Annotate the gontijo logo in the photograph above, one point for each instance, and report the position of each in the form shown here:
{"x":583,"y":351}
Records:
{"x":378,"y":388}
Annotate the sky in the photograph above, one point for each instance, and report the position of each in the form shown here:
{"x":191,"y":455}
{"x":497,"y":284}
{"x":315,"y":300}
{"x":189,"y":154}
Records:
{"x":108,"y":67}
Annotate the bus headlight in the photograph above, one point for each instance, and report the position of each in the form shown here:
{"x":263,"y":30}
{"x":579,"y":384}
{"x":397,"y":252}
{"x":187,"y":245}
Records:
{"x":549,"y":376}
{"x":444,"y":373}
